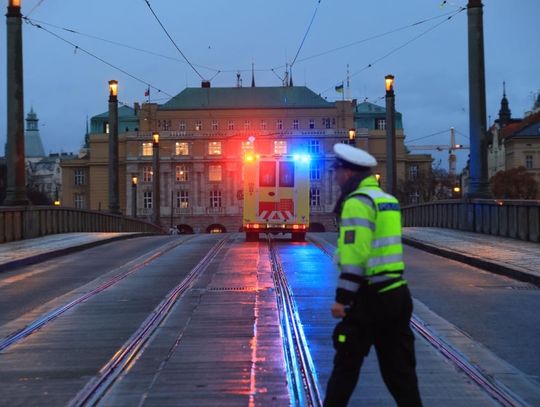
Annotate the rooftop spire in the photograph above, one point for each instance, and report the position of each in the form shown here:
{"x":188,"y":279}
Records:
{"x":252,"y":74}
{"x":504,"y":113}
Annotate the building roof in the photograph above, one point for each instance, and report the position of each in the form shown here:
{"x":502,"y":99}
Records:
{"x":123,"y":111}
{"x":528,"y":127}
{"x":366,"y":112}
{"x":246,"y":98}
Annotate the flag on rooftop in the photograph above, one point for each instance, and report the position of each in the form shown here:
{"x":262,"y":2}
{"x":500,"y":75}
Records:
{"x":339,"y":88}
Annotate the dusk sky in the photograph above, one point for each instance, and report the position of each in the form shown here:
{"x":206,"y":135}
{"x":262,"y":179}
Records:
{"x":64,"y":84}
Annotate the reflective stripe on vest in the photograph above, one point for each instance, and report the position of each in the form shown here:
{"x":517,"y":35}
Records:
{"x":386,"y":241}
{"x":358,"y":222}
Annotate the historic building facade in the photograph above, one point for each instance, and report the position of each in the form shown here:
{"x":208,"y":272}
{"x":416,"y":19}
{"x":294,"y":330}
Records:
{"x":515,"y":142}
{"x":203,"y":135}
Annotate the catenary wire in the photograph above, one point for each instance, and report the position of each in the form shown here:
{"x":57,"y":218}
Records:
{"x":429,"y":135}
{"x":373,"y":37}
{"x":401,"y":46}
{"x":29,"y":21}
{"x":306,"y":33}
{"x":170,"y":38}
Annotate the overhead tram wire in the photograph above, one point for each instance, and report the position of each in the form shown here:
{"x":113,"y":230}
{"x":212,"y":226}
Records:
{"x":272,"y":69}
{"x":306,"y":33}
{"x":373,"y":37}
{"x":32,"y":23}
{"x":429,"y":135}
{"x":72,"y":31}
{"x":401,"y":46}
{"x":170,"y":38}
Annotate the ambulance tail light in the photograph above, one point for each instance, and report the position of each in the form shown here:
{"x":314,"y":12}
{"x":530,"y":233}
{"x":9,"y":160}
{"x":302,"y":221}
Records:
{"x":299,"y":227}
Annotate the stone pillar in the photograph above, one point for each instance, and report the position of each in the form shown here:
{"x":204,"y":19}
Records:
{"x":15,"y":159}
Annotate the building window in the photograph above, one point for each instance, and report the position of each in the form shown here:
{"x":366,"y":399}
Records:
{"x":181,"y":173}
{"x":279,"y":124}
{"x":314,"y":146}
{"x":182,"y":126}
{"x":314,"y":170}
{"x":295,"y":124}
{"x":214,"y":148}
{"x":315,"y":197}
{"x":311,"y":123}
{"x":80,"y":176}
{"x":215,"y":199}
{"x":247,"y":147}
{"x":79,"y":201}
{"x":182,"y":199}
{"x":147,"y":200}
{"x":147,"y":149}
{"x":327,"y":123}
{"x":280,"y":147}
{"x":230,"y":125}
{"x":215,"y":125}
{"x":164,"y":124}
{"x":198,"y":125}
{"x":247,"y":125}
{"x":263,"y":125}
{"x":147,"y":173}
{"x":181,"y":148}
{"x":529,"y":162}
{"x":413,"y":171}
{"x":414,"y":197}
{"x":380,"y":124}
{"x":214,"y":173}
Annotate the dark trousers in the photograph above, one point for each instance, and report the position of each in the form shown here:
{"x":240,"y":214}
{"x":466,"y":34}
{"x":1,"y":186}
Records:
{"x":382,"y":320}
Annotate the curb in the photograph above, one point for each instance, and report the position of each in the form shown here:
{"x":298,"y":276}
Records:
{"x":38,"y":258}
{"x":487,"y":265}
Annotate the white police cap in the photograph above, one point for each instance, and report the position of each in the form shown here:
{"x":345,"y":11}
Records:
{"x":353,"y":156}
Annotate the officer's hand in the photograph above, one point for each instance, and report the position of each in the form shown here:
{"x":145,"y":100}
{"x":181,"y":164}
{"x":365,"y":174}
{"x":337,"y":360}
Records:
{"x":338,"y":310}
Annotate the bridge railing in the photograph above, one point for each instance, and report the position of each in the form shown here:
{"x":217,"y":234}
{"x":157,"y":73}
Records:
{"x":518,"y":219}
{"x":23,"y":222}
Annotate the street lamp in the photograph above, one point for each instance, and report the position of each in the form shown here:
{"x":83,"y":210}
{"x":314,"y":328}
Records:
{"x":390,"y":135}
{"x":134,"y":195}
{"x":155,"y":178}
{"x":15,"y":158}
{"x":352,"y":137}
{"x":114,"y":204}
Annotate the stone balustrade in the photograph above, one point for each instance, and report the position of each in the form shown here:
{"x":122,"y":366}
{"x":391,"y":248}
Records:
{"x":23,"y":222}
{"x":518,"y":219}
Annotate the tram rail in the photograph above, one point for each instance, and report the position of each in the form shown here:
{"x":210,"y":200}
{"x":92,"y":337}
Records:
{"x":103,"y":382}
{"x":496,"y":390}
{"x":40,"y":322}
{"x":302,"y":376}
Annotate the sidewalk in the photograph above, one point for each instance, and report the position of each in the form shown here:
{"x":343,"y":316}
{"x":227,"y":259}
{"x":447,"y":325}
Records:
{"x":30,"y":251}
{"x":511,"y":257}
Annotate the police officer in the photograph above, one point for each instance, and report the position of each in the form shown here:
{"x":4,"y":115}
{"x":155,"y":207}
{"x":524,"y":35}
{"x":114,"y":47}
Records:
{"x":372,"y":298}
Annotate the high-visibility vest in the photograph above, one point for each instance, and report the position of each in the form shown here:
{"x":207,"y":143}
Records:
{"x":369,"y":248}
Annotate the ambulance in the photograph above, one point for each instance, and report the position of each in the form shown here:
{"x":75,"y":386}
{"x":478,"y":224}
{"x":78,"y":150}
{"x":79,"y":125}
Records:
{"x":276,"y":195}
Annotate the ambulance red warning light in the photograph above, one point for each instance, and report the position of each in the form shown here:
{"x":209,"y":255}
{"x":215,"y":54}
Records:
{"x":276,"y":195}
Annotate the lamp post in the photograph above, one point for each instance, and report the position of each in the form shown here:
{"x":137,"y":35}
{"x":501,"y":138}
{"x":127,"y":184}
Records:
{"x":155,"y":178}
{"x":352,"y":137}
{"x":114,"y":205}
{"x":134,"y":196}
{"x":390,"y":135}
{"x":478,"y":182}
{"x":15,"y":159}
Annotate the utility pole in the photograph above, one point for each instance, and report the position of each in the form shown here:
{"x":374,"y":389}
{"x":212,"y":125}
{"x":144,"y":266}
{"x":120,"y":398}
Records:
{"x":15,"y":158}
{"x":478,"y":182}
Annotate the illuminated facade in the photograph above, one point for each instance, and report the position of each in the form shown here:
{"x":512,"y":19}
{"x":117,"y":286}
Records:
{"x":204,"y":134}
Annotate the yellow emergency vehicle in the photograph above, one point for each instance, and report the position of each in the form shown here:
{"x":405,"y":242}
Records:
{"x":276,"y":195}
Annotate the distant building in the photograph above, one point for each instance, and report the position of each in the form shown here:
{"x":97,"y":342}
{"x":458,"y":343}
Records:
{"x":204,"y":133}
{"x":515,"y":142}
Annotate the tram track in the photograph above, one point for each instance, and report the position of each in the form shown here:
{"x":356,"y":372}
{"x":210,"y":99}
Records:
{"x":99,"y":386}
{"x":132,"y":267}
{"x":495,"y":389}
{"x":302,"y":378}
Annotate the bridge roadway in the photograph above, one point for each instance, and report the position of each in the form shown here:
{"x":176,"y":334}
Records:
{"x":220,"y":343}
